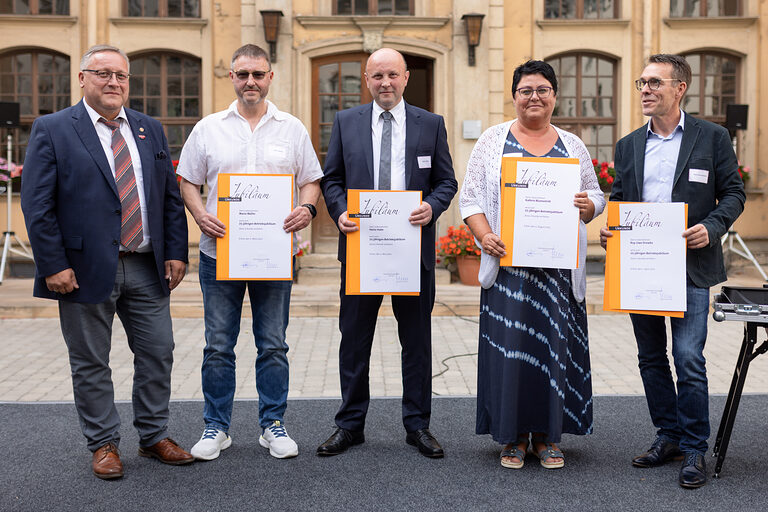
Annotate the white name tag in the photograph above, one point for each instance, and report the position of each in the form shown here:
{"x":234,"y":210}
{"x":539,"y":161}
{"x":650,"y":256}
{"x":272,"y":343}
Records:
{"x":425,"y":162}
{"x":698,"y":175}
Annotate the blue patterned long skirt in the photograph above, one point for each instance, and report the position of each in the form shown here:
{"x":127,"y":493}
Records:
{"x":533,"y":358}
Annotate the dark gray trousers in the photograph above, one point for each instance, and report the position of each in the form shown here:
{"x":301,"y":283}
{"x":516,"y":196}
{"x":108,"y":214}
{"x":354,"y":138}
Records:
{"x":144,"y":311}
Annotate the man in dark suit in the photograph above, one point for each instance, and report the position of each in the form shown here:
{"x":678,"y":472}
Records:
{"x":387,"y":144}
{"x":109,"y":235}
{"x":678,"y":158}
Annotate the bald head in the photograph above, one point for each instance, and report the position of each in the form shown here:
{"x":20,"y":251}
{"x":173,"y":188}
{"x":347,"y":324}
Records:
{"x":386,"y":77}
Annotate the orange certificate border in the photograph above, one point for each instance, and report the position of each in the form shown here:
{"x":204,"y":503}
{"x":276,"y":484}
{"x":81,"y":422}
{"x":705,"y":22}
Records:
{"x":353,"y":246}
{"x":612,"y":290}
{"x":222,"y":244}
{"x":509,"y":196}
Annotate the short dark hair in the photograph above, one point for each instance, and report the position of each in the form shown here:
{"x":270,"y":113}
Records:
{"x":251,"y":50}
{"x":681,"y":70}
{"x":534,"y":67}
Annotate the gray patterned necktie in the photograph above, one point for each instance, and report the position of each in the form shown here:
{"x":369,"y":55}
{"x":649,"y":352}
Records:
{"x":385,"y":157}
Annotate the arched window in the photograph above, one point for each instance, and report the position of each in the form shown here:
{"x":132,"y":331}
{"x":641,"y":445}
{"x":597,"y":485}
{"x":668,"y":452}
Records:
{"x":586,"y":101}
{"x":166,"y":86}
{"x":714,"y":84}
{"x":39,"y":81}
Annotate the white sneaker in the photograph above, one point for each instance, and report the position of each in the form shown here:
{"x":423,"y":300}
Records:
{"x":210,"y":444}
{"x":280,"y":445}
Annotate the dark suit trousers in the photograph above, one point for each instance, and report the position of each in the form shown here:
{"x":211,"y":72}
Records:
{"x":144,"y":311}
{"x":357,"y":322}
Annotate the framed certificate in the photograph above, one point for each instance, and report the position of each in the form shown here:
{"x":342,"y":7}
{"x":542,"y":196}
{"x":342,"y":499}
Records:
{"x":539,"y":223}
{"x":645,"y":259}
{"x":384,"y":255}
{"x":253,"y":208}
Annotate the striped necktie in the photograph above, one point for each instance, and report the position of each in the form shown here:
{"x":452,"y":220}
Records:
{"x":131,"y":232}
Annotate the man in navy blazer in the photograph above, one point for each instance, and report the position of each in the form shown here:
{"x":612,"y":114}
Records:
{"x":678,"y":158}
{"x":109,"y":235}
{"x":387,"y":144}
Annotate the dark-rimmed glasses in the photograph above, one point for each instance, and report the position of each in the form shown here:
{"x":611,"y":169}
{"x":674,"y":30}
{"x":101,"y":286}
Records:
{"x":257,"y":75}
{"x":541,"y":92}
{"x":105,"y":75}
{"x":653,"y":83}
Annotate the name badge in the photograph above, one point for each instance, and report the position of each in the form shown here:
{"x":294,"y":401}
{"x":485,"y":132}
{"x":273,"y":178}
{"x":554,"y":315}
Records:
{"x":698,"y":175}
{"x":425,"y":162}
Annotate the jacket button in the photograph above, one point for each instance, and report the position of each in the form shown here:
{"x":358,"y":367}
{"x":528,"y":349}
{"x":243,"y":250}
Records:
{"x":115,"y":242}
{"x":118,"y":212}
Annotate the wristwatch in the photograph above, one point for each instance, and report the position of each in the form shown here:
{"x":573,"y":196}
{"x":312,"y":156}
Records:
{"x":311,"y":208}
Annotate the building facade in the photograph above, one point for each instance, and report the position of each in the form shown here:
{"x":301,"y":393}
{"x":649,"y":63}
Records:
{"x":180,"y":51}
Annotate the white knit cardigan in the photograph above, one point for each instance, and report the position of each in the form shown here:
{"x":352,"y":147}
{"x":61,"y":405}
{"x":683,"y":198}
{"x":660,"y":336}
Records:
{"x":480,"y":193}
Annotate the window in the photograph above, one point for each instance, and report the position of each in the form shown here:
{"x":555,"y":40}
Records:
{"x":704,"y":8}
{"x":166,"y":86}
{"x":714,"y":84}
{"x":373,"y":7}
{"x":34,"y":7}
{"x":586,"y":102}
{"x":586,"y":9}
{"x":162,"y":8}
{"x":39,"y":82}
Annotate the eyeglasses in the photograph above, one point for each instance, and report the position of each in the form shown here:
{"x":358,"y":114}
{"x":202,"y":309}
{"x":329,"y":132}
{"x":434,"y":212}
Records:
{"x":105,"y":75}
{"x":257,"y":75}
{"x":653,"y":83}
{"x":527,"y":92}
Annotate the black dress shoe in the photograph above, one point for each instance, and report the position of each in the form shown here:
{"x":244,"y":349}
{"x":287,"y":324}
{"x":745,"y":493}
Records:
{"x":661,"y":452}
{"x":339,"y":441}
{"x":425,"y":442}
{"x":693,"y":473}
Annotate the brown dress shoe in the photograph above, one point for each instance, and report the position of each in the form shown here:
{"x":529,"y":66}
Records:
{"x":106,"y":462}
{"x":167,"y":451}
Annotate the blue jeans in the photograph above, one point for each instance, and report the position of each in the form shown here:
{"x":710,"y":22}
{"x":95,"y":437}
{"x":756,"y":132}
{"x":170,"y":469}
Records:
{"x":223,"y":303}
{"x":682,"y":415}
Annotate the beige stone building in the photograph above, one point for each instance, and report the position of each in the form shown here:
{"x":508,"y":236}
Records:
{"x":180,"y":51}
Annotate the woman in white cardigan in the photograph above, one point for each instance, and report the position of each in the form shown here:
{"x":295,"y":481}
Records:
{"x":534,"y":376}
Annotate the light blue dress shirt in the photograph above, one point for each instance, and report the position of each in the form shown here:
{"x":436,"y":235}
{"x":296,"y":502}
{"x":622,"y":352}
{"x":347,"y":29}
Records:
{"x":660,"y":161}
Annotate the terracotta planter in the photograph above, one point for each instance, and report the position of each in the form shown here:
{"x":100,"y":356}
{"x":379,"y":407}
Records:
{"x":469,"y":267}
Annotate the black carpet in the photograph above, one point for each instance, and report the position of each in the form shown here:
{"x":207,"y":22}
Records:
{"x":44,"y":465}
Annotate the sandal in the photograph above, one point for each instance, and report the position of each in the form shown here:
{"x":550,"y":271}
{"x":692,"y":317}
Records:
{"x":550,"y":451}
{"x":514,"y":451}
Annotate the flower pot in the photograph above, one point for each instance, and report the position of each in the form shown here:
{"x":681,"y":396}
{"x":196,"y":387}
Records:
{"x":469,"y":267}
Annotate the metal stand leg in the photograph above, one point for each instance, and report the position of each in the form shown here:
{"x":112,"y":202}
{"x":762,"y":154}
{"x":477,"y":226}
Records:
{"x":734,"y":395}
{"x":9,"y":236}
{"x":746,"y":253}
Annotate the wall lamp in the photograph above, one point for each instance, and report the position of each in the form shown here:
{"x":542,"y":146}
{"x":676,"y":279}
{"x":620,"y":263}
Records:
{"x":474,"y":24}
{"x":271,"y":21}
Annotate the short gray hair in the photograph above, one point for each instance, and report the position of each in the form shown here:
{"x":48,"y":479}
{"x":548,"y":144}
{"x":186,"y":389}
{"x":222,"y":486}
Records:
{"x":681,"y":70}
{"x":99,"y":48}
{"x":250,"y":50}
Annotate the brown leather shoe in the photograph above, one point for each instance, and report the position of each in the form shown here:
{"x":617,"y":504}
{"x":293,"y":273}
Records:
{"x":167,"y":451}
{"x":106,"y":462}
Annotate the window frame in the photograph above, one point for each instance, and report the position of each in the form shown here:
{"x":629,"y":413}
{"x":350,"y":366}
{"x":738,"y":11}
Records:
{"x":719,"y":118}
{"x":580,"y":11}
{"x":576,"y":123}
{"x":34,"y":9}
{"x":703,"y":4}
{"x":373,"y":8}
{"x":162,"y":10}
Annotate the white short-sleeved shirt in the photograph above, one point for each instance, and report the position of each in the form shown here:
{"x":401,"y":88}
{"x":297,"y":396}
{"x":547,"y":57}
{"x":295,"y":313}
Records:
{"x":224,"y":142}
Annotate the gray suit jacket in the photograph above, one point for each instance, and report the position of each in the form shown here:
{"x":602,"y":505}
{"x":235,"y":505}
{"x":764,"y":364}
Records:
{"x":716,"y":204}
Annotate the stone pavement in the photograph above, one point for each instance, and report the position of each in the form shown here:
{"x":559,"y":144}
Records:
{"x":34,"y":365}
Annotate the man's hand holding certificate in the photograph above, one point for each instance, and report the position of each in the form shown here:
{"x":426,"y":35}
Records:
{"x":645,"y":260}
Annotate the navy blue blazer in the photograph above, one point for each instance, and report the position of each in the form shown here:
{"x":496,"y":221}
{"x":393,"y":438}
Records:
{"x":349,"y":165}
{"x":72,"y":210}
{"x":716,"y":204}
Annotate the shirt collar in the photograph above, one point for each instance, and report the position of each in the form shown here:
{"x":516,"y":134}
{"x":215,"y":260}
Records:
{"x":680,"y":124}
{"x":272,"y":111}
{"x":398,"y":111}
{"x":95,"y":116}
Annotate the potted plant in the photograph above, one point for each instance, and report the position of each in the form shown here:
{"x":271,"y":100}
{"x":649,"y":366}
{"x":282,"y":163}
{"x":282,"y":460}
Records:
{"x":745,"y":173}
{"x":458,"y":247}
{"x":605,"y":174}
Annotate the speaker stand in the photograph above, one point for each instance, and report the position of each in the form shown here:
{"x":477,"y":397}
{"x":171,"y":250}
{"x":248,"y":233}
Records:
{"x":9,"y":236}
{"x":730,"y":236}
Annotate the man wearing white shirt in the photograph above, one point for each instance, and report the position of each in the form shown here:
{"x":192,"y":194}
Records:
{"x":387,"y":145}
{"x":251,"y":136}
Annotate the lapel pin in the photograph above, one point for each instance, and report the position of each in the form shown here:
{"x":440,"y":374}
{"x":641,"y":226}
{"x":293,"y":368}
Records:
{"x":142,"y":137}
{"x":141,"y":128}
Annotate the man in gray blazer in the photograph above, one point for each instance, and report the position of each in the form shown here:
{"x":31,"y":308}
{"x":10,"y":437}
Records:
{"x":678,"y":158}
